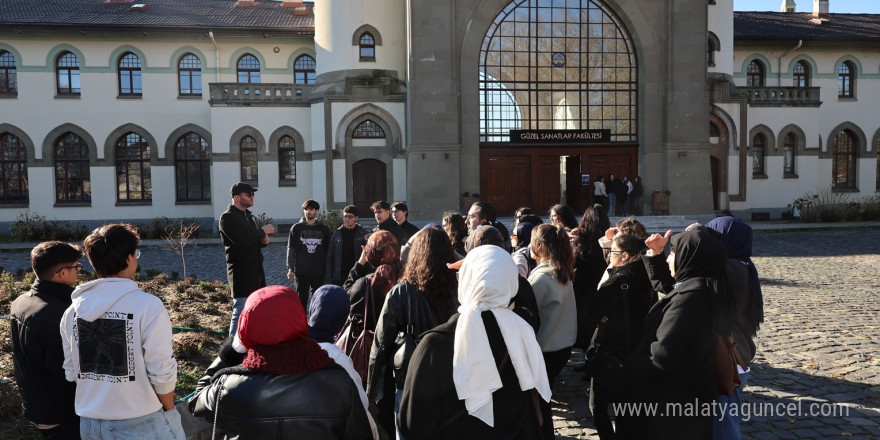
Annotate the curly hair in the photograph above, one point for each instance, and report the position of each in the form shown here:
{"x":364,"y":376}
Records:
{"x":631,"y":226}
{"x":426,"y":268}
{"x":555,"y":249}
{"x":592,"y":228}
{"x":455,"y":227}
{"x":564,"y":215}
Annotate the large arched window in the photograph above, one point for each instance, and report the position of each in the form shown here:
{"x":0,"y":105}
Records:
{"x":846,"y":80}
{"x":789,"y":146}
{"x":287,"y":159}
{"x":844,"y":154}
{"x":192,"y":168}
{"x":557,"y":64}
{"x":189,"y":74}
{"x":248,"y":147}
{"x":129,"y":71}
{"x":70,"y":157}
{"x":368,"y":130}
{"x":133,"y":182}
{"x":755,"y":74}
{"x":8,"y":76}
{"x":367,"y":47}
{"x":304,"y":70}
{"x":759,"y":146}
{"x":801,"y":74}
{"x":67,"y":74}
{"x":248,"y":69}
{"x":714,"y":45}
{"x":13,"y":170}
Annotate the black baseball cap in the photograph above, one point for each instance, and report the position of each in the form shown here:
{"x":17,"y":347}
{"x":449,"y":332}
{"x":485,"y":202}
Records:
{"x":242,"y":187}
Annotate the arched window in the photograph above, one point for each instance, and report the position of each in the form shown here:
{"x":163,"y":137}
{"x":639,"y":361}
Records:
{"x":192,"y":168}
{"x":755,"y":74}
{"x":133,"y":182}
{"x":13,"y":170}
{"x":713,"y":46}
{"x":129,"y":71}
{"x":304,"y":70}
{"x":70,"y":157}
{"x":843,"y":167}
{"x":759,"y":143}
{"x":287,"y":159}
{"x":846,"y":80}
{"x":801,"y":74}
{"x":367,"y":47}
{"x":248,"y":147}
{"x":8,"y":77}
{"x":789,"y":146}
{"x":67,"y":74}
{"x":368,"y":130}
{"x":248,"y":69}
{"x":189,"y":74}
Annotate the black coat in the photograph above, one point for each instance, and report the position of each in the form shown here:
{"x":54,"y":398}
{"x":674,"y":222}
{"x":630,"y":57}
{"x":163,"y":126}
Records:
{"x":391,"y":226}
{"x":429,"y":396}
{"x":321,"y":404}
{"x":242,"y":240}
{"x":335,"y":273}
{"x":38,"y":356}
{"x":587,"y":274}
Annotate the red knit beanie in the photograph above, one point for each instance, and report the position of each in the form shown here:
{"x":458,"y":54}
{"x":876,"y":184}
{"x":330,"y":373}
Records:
{"x":272,"y":315}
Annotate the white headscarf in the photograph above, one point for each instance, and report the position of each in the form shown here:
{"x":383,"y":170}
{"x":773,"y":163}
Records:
{"x":488,"y":279}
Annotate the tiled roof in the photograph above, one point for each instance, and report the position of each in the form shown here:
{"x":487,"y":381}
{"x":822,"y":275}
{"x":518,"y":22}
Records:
{"x":196,"y":15}
{"x":782,"y":25}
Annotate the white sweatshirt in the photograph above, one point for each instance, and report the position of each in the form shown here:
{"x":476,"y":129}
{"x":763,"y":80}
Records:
{"x":117,"y":348}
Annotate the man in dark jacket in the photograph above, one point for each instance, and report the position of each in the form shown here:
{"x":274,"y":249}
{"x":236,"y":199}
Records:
{"x":345,"y":247}
{"x":382,"y":212}
{"x":243,"y":242}
{"x":37,"y":353}
{"x":400,"y":213}
{"x":307,"y":252}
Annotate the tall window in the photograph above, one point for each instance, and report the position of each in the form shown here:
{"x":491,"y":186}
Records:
{"x":13,"y":170}
{"x":287,"y":159}
{"x":72,"y":176}
{"x":878,"y":169}
{"x":129,"y":71}
{"x":801,"y":74}
{"x":712,"y":46}
{"x":192,"y":168}
{"x":846,"y":80}
{"x":843,"y":167}
{"x":367,"y":47}
{"x":133,"y":181}
{"x":248,"y":69}
{"x":67,"y":74}
{"x":248,"y":148}
{"x":368,"y":130}
{"x":759,"y":144}
{"x":189,"y":75}
{"x":8,"y":77}
{"x":789,"y":146}
{"x":755,"y":74}
{"x":304,"y":70}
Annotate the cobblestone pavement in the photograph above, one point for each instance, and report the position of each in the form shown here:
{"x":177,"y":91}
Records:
{"x":819,"y":344}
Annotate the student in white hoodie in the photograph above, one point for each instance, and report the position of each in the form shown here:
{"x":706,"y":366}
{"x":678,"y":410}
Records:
{"x":117,"y":347}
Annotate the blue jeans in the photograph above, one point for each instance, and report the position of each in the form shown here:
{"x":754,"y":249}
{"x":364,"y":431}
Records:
{"x":727,"y":428}
{"x":237,"y":307}
{"x":612,"y":198}
{"x":397,"y":395}
{"x":160,"y":425}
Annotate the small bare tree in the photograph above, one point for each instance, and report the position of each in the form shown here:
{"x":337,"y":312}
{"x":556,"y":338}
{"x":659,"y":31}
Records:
{"x":180,"y":236}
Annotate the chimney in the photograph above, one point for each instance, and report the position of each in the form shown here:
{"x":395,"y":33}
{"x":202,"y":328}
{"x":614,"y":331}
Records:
{"x":820,"y":9}
{"x":292,"y":3}
{"x":787,"y":6}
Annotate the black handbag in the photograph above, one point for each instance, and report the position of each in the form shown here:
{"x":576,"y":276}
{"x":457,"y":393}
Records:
{"x":405,"y":342}
{"x":601,"y":365}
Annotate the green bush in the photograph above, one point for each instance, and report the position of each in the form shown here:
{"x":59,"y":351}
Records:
{"x":870,"y":209}
{"x":263,"y":220}
{"x":333,"y":219}
{"x":30,"y":226}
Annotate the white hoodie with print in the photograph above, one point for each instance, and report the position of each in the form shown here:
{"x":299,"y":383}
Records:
{"x":117,"y":348}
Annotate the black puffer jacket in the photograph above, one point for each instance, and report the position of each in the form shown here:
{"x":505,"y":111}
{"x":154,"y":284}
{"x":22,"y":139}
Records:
{"x":321,"y":404}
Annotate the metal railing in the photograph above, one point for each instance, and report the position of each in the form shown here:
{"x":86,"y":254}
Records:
{"x":265,"y":94}
{"x":783,"y":96}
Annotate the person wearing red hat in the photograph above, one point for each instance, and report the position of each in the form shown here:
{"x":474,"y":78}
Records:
{"x":287,"y":386}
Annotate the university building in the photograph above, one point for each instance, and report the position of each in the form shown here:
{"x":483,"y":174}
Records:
{"x":116,"y":109}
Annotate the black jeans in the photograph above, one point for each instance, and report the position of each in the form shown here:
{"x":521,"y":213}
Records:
{"x":64,"y":431}
{"x":305,"y":286}
{"x":600,"y":399}
{"x":554,"y":361}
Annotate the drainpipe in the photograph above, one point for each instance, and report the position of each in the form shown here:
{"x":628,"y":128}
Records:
{"x":779,"y":65}
{"x":216,"y":56}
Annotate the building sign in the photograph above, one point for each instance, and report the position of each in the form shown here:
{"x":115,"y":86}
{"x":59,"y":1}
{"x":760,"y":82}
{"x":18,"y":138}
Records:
{"x":559,"y":136}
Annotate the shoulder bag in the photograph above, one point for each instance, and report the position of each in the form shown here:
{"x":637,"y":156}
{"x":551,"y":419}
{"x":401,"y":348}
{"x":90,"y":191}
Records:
{"x":406,"y":340}
{"x":355,"y":340}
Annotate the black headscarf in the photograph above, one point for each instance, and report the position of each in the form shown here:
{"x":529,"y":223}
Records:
{"x":699,"y":255}
{"x":736,"y":235}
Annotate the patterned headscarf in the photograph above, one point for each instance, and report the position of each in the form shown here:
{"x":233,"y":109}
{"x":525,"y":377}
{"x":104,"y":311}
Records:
{"x":382,"y":248}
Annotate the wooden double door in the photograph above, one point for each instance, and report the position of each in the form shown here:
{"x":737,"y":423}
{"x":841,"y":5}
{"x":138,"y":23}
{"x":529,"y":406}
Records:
{"x":542,"y":176}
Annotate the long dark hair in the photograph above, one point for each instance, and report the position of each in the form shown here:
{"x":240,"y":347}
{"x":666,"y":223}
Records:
{"x":565,"y":215}
{"x":556,"y":250}
{"x":455,"y":228}
{"x":426,"y":268}
{"x":592,"y":228}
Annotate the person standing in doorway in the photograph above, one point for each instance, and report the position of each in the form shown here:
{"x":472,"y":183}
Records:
{"x":307,"y":252}
{"x":243,"y":241}
{"x":599,"y":194}
{"x":611,"y":190}
{"x":636,"y":195}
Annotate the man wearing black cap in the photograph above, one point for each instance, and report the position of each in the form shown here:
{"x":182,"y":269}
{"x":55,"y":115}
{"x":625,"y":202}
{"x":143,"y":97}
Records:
{"x":243,"y":241}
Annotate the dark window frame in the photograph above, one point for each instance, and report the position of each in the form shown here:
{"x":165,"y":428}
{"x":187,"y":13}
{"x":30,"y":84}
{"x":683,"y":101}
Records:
{"x":801,"y":74}
{"x":129,"y":75}
{"x":846,"y":80}
{"x":247,"y":69}
{"x":368,"y":129}
{"x":248,"y":155}
{"x":755,"y":74}
{"x":304,"y":70}
{"x":70,"y":160}
{"x":128,"y":164}
{"x":189,"y":72}
{"x":67,"y":70}
{"x":759,"y":154}
{"x":13,"y":170}
{"x":789,"y":153}
{"x":844,"y":153}
{"x":8,"y":74}
{"x":286,"y":167}
{"x":367,"y":47}
{"x":191,"y":156}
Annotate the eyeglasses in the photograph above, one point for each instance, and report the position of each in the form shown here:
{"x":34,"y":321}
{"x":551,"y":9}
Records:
{"x":137,"y":254}
{"x":615,"y":252}
{"x":77,"y":266}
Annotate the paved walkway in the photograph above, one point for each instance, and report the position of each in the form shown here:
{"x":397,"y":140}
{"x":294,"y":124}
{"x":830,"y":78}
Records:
{"x":820,"y":343}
